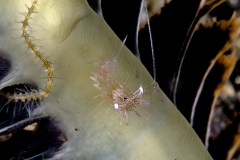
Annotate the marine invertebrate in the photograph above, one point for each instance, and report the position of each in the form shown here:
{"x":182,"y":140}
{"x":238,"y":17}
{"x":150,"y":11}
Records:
{"x":33,"y":94}
{"x":120,"y":96}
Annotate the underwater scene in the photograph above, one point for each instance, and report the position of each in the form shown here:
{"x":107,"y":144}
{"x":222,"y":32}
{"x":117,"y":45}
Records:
{"x":120,"y":80}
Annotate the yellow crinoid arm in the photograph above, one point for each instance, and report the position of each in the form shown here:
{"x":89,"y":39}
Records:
{"x":74,"y":41}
